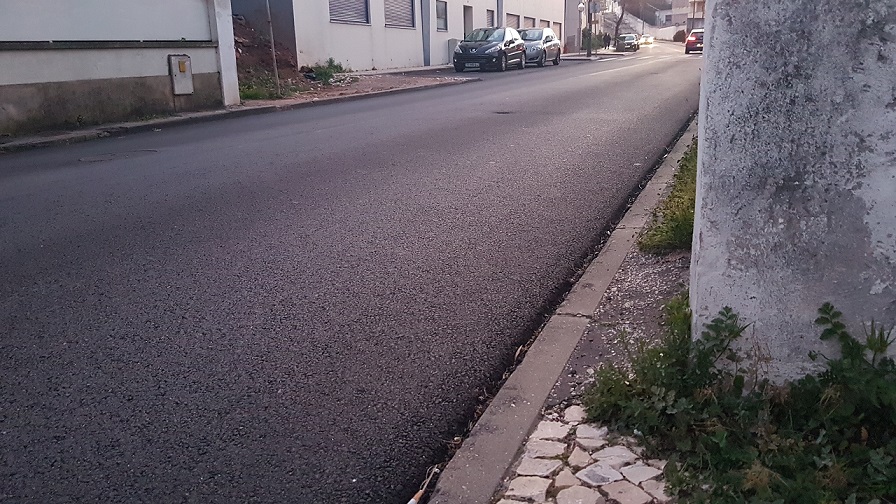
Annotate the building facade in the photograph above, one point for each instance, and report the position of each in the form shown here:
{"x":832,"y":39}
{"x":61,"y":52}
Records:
{"x":368,"y":34}
{"x":696,"y":14}
{"x":69,"y":64}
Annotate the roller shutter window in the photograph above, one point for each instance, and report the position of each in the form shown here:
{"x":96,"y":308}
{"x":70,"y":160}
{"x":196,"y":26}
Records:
{"x":441,"y":15}
{"x":513,"y":21}
{"x":528,"y":22}
{"x":544,"y":24}
{"x":349,"y":11}
{"x":399,"y":13}
{"x":489,"y":18}
{"x":558,"y":30}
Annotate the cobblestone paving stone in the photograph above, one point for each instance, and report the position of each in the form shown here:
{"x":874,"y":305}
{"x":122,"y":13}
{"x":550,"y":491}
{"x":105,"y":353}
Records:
{"x":594,"y":467}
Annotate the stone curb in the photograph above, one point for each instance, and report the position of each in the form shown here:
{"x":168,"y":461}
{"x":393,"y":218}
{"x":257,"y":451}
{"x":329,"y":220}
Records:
{"x":477,"y":471}
{"x":202,"y":117}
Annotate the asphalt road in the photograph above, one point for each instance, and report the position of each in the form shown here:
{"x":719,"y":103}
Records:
{"x":303,"y":306}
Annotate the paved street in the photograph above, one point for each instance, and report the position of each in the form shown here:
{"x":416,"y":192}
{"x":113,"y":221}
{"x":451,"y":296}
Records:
{"x":303,"y":306}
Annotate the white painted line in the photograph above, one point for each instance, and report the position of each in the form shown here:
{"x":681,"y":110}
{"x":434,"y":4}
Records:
{"x":618,"y":69}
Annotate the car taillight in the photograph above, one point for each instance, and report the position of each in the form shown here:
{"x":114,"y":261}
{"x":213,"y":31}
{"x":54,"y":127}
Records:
{"x":692,"y":38}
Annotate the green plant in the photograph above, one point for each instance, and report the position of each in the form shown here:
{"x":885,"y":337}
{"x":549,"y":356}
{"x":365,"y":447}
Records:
{"x":261,"y":85}
{"x":326,"y":72}
{"x":672,"y":227}
{"x":680,"y":36}
{"x":733,"y":438}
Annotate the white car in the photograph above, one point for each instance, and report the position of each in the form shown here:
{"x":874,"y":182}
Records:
{"x":645,"y":39}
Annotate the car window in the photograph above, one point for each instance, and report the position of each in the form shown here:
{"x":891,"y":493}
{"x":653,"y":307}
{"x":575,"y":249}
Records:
{"x":531,"y":34}
{"x":485,"y":35}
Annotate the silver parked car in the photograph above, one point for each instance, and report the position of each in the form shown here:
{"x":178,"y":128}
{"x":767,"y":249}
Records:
{"x":542,"y":45}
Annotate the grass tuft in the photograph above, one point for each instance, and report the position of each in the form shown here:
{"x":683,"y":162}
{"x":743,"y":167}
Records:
{"x":672,"y":228}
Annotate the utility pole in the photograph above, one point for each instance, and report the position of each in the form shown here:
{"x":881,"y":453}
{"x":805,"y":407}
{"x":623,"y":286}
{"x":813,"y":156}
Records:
{"x":267,"y":4}
{"x":590,"y":27}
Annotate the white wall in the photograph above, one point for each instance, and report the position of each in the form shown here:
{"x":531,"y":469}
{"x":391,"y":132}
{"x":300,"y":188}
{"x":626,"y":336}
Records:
{"x":115,"y":20}
{"x":41,"y":20}
{"x":358,"y":46}
{"x":30,"y":67}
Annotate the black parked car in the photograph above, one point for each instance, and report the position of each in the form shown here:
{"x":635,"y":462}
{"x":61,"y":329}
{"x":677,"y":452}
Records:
{"x":492,"y":48}
{"x":628,"y":42}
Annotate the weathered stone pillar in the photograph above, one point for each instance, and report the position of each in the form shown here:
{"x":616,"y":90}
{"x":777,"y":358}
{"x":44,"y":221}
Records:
{"x":796,"y":198}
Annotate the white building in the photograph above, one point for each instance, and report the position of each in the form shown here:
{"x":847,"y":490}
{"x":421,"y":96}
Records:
{"x":68,"y":63}
{"x":365,"y":34}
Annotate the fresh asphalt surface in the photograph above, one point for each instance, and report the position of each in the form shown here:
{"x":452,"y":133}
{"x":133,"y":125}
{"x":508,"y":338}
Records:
{"x":303,"y":306}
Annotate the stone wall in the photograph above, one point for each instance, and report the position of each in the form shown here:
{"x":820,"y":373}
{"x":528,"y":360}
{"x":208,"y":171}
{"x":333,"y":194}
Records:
{"x":797,"y":169}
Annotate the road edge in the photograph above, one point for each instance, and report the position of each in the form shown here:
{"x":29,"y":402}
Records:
{"x":478,"y":469}
{"x":121,"y":129}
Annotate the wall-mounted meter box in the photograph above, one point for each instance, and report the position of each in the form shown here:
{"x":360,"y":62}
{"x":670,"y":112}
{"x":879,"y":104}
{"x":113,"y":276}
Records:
{"x":181,"y":74}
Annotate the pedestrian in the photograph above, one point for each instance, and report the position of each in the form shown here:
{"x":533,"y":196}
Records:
{"x":607,"y":40}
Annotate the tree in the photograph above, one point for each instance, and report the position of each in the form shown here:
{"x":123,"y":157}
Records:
{"x":619,"y":21}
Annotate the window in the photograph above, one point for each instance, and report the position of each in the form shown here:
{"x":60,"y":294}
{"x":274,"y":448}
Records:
{"x":528,"y":22}
{"x":558,"y":29}
{"x":668,"y":18}
{"x":399,"y":13}
{"x":441,"y":15}
{"x":513,"y":20}
{"x":489,"y":18}
{"x":349,"y":11}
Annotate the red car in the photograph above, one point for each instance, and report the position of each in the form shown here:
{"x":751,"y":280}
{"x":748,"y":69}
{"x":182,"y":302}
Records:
{"x":694,"y":41}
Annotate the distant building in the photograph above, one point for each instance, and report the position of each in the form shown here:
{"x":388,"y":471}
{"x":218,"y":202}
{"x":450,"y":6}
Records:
{"x":365,"y":34}
{"x":696,"y":14}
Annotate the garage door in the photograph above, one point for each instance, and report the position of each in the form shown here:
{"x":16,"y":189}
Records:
{"x":513,"y":21}
{"x":528,"y":22}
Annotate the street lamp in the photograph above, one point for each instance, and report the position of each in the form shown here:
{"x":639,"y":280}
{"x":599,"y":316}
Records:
{"x":581,"y":10}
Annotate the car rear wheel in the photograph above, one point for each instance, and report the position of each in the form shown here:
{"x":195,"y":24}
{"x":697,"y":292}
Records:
{"x":557,"y":58}
{"x":687,"y":51}
{"x":541,"y":60}
{"x":503,"y":64}
{"x":523,"y":60}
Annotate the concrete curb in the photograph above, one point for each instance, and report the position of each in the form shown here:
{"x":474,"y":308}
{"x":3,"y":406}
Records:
{"x":207,"y":116}
{"x":477,"y":471}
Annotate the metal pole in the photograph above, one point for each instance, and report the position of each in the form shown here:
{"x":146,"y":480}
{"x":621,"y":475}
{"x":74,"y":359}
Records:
{"x":579,"y":33}
{"x":590,"y":28}
{"x":267,"y":4}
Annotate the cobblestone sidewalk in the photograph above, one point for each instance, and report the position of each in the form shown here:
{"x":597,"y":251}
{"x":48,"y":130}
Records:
{"x":566,"y":461}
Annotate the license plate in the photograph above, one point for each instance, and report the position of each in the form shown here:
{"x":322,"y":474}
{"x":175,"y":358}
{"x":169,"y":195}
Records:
{"x":472,"y":65}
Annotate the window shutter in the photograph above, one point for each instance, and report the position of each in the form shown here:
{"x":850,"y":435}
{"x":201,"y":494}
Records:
{"x":441,"y":15}
{"x":399,"y":13}
{"x":557,"y":29}
{"x":490,"y":18}
{"x":528,"y":22}
{"x":352,"y":11}
{"x":513,"y":21}
{"x":544,"y":24}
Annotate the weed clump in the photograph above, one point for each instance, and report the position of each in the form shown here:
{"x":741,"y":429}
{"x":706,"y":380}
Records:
{"x":673,"y":223}
{"x":732,"y":437}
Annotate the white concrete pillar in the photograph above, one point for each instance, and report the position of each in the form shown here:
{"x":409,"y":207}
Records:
{"x":796,"y":200}
{"x":221,"y":22}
